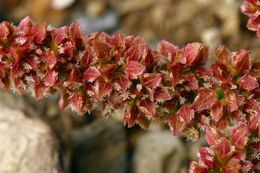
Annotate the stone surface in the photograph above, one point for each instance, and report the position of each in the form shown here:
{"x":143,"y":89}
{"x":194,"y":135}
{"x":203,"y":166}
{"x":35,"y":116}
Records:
{"x":27,"y":145}
{"x":100,"y":147}
{"x":158,"y":152}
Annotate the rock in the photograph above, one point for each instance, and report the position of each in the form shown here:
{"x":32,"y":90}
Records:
{"x":61,"y":4}
{"x":158,"y":152}
{"x":211,"y":37}
{"x":95,"y":8}
{"x":100,"y":147}
{"x":107,"y":22}
{"x":27,"y":145}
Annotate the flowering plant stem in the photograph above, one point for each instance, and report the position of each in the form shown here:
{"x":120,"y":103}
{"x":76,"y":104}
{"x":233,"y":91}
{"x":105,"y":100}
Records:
{"x":169,"y":83}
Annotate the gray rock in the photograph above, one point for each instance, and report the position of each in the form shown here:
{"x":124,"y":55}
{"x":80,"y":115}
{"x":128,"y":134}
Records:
{"x":27,"y":145}
{"x":158,"y":152}
{"x":100,"y":147}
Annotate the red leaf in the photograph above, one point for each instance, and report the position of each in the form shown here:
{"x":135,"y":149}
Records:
{"x":91,"y":74}
{"x":161,"y":94}
{"x":254,"y":122}
{"x":103,"y":89}
{"x":223,"y":150}
{"x":239,"y":136}
{"x":52,"y":60}
{"x":223,"y":55}
{"x":186,"y":113}
{"x":76,"y":34}
{"x":176,"y":124}
{"x":249,"y":7}
{"x":242,"y":61}
{"x":25,"y":25}
{"x":64,"y":101}
{"x":39,"y":91}
{"x":107,"y":71}
{"x":204,"y":100}
{"x":61,"y":34}
{"x":134,"y":53}
{"x":147,"y":107}
{"x":131,"y":116}
{"x":134,"y":69}
{"x":206,"y":155}
{"x":212,"y":136}
{"x":151,"y":80}
{"x":176,"y":79}
{"x":191,"y":82}
{"x":233,"y":166}
{"x":78,"y":102}
{"x":167,"y":49}
{"x":121,"y":83}
{"x":51,"y":78}
{"x":17,"y":53}
{"x":195,"y":54}
{"x":248,"y":82}
{"x":20,"y":85}
{"x":234,"y":101}
{"x":217,"y":112}
{"x":39,"y":32}
{"x":103,"y":50}
{"x":119,"y":42}
{"x":6,"y":32}
{"x":196,"y":167}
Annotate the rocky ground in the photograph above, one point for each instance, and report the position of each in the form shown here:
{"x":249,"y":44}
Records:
{"x":38,"y":137}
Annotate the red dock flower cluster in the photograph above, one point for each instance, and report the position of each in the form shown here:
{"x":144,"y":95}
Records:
{"x":169,"y":83}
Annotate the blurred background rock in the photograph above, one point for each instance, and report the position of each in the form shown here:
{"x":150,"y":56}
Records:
{"x":90,"y":143}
